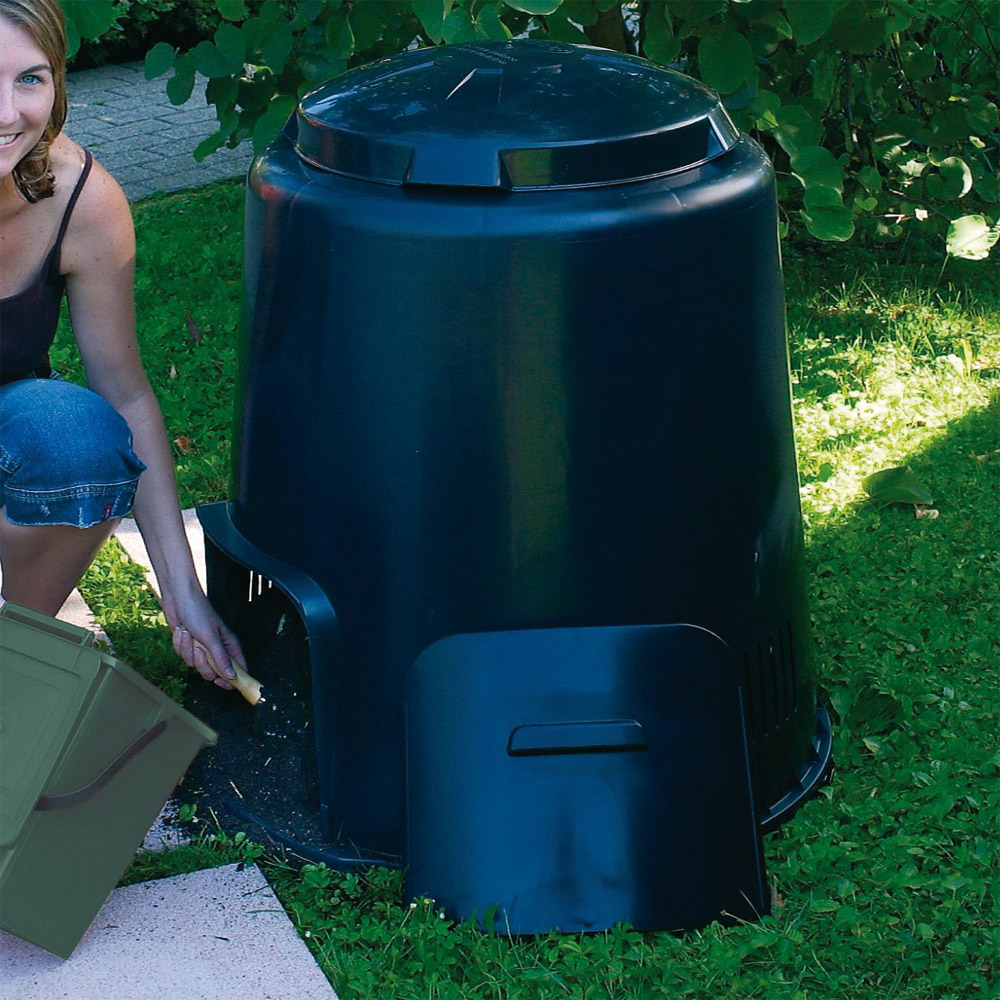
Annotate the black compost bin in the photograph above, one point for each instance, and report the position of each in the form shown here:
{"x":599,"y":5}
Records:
{"x":514,"y":359}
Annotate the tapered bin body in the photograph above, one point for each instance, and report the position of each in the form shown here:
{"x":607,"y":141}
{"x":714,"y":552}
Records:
{"x":89,"y":753}
{"x":514,"y":358}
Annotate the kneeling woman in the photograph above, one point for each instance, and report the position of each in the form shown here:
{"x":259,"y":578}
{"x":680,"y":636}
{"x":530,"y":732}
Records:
{"x":73,"y":461}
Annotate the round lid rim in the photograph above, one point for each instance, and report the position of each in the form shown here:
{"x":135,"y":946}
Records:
{"x":448,"y":151}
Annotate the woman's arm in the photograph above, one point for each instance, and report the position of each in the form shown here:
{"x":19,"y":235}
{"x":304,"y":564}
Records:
{"x":98,"y":259}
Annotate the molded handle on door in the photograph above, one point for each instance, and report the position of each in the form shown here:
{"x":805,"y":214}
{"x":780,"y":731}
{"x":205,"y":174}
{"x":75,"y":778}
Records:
{"x":576,"y":737}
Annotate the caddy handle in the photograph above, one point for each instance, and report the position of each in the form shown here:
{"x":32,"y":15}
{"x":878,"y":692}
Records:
{"x":49,"y":802}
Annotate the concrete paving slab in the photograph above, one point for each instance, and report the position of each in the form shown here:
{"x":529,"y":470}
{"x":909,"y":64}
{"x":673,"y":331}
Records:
{"x":163,"y":834}
{"x":219,"y":934}
{"x":131,"y":541}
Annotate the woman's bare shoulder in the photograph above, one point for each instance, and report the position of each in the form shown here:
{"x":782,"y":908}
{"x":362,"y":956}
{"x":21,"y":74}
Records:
{"x":101,"y":222}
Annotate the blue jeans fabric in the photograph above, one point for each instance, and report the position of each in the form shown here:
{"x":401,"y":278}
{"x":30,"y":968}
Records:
{"x":65,"y":455}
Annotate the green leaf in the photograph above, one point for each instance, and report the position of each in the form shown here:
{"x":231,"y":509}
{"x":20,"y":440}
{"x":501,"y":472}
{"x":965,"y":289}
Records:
{"x":339,"y":37}
{"x":919,"y":61}
{"x":841,"y":698}
{"x":367,"y":25}
{"x":765,"y":107}
{"x":180,"y":85}
{"x":317,"y":69}
{"x":766,"y":33}
{"x":859,"y":27}
{"x":809,"y":19}
{"x":953,"y":180}
{"x":777,"y":22}
{"x":489,"y":25}
{"x":270,"y":123}
{"x":797,"y":128}
{"x":825,"y":76}
{"x":586,"y":13}
{"x":898,"y":485}
{"x":814,"y":165}
{"x":559,"y":28}
{"x":725,"y":60}
{"x":277,"y":46}
{"x":309,"y":10}
{"x":208,"y":146}
{"x":232,"y":10}
{"x":534,"y":6}
{"x":72,"y":38}
{"x":829,"y":222}
{"x":431,"y":15}
{"x":870,"y":179}
{"x":981,"y":115}
{"x":659,"y":43}
{"x":458,"y":27}
{"x":223,"y":92}
{"x":875,"y":711}
{"x":820,"y":196}
{"x":211,"y":61}
{"x":697,"y":10}
{"x":232,"y":42}
{"x":91,"y":18}
{"x":159,"y":59}
{"x":971,"y":237}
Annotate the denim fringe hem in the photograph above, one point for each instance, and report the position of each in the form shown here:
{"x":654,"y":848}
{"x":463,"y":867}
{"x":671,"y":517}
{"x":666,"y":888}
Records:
{"x":82,"y":511}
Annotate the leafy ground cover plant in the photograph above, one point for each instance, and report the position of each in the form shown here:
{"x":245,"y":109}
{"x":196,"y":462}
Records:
{"x":885,"y":885}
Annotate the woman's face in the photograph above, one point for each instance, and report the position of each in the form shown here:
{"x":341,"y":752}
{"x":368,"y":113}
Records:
{"x":27,"y":93}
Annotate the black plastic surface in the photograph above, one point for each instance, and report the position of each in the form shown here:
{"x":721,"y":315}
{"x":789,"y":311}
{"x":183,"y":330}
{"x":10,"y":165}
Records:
{"x":663,"y":837}
{"x":517,"y":115}
{"x":472,"y":410}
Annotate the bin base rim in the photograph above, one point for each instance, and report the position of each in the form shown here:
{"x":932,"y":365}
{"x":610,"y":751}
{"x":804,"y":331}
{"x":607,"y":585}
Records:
{"x":819,"y":772}
{"x":342,"y":857}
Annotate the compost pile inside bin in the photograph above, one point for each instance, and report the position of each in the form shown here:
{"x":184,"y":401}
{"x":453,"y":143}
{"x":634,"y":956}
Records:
{"x":261,"y":777}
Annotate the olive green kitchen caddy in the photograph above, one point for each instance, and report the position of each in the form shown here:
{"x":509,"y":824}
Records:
{"x":89,"y":753}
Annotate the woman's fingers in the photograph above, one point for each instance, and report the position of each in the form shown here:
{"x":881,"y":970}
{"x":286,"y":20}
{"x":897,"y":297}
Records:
{"x":196,"y":655}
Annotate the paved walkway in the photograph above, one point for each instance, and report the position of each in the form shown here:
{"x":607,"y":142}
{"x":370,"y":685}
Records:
{"x":143,"y":140}
{"x":216,"y":934}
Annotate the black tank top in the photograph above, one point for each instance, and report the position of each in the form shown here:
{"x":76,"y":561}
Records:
{"x":28,"y":319}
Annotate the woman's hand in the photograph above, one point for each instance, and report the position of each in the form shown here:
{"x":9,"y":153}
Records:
{"x":200,"y":637}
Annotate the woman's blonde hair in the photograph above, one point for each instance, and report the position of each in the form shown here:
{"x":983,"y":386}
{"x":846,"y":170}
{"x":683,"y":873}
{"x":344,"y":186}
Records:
{"x":43,"y":20}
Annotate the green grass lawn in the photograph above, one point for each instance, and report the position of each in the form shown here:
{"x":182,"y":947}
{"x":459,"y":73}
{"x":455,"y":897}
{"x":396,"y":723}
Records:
{"x":885,"y":885}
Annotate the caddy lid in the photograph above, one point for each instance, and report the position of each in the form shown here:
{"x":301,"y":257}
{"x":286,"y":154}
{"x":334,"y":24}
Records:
{"x":518,"y":115}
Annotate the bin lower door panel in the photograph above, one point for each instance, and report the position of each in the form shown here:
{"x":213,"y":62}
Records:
{"x":572,"y":779}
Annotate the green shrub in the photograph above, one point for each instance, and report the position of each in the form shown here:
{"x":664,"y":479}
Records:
{"x":880,"y":115}
{"x":138,"y":24}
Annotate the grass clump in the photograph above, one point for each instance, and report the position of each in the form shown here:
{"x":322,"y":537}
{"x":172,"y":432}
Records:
{"x":885,"y":885}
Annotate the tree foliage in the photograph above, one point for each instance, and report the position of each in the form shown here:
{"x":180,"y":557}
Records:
{"x":880,"y":115}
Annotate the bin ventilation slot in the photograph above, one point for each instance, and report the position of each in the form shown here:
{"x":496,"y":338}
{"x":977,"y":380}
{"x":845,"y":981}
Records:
{"x":258,"y":585}
{"x":769,"y":682}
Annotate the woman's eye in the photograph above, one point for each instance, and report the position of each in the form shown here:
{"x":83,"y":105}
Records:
{"x":31,"y":78}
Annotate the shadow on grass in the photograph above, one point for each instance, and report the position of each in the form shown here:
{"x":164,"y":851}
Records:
{"x":883,"y":581}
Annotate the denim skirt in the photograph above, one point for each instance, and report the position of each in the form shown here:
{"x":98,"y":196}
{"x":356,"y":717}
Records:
{"x":65,"y":455}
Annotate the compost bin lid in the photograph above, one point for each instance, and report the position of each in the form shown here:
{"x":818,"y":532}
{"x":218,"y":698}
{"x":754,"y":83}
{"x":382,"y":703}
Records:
{"x":517,"y":115}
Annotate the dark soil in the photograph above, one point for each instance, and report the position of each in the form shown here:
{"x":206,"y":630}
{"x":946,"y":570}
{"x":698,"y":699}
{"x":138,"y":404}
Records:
{"x":261,"y":777}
